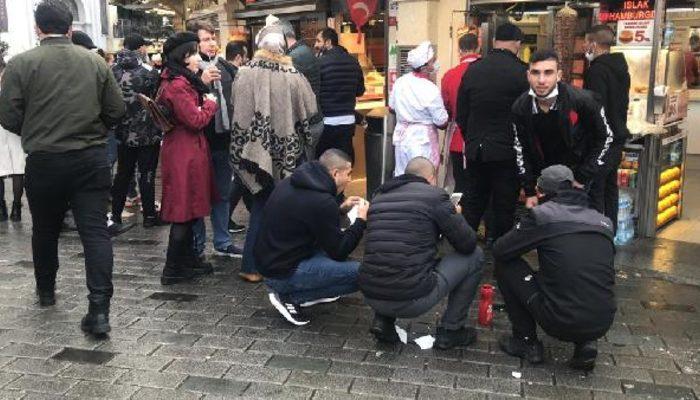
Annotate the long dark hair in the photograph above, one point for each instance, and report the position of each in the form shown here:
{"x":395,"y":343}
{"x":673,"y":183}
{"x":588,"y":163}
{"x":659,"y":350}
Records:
{"x":175,"y":64}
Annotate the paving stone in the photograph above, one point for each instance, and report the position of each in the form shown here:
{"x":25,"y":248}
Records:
{"x":458,"y":367}
{"x":4,"y":360}
{"x":618,"y":372}
{"x":155,"y":325}
{"x":90,"y":372}
{"x":299,"y":363}
{"x":162,"y":380}
{"x":240,"y":357}
{"x":167,"y":350}
{"x":257,"y":374}
{"x":395,"y":360}
{"x":129,"y":347}
{"x":286,"y":348}
{"x":533,"y":375}
{"x":384,"y":388}
{"x":677,"y":379}
{"x":331,"y":395}
{"x":536,"y":391}
{"x":29,"y":350}
{"x":92,"y":390}
{"x":336,"y":354}
{"x":226,"y":387}
{"x":6,"y":377}
{"x":164,"y":394}
{"x":83,"y":356}
{"x":221,"y":342}
{"x":434,"y":393}
{"x":212,"y":369}
{"x":422,"y":377}
{"x":489,"y":358}
{"x":488,"y":385}
{"x":258,"y":390}
{"x":11,"y":395}
{"x":41,"y":384}
{"x":316,"y":380}
{"x":35,"y":366}
{"x":316,"y":340}
{"x":664,"y":364}
{"x":583,"y":381}
{"x":205,"y":330}
{"x":180,"y":339}
{"x":151,"y":363}
{"x":361,"y":370}
{"x":657,"y":391}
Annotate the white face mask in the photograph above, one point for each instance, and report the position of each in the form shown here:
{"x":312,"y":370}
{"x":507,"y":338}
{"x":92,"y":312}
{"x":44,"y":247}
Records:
{"x":436,"y":67}
{"x":590,"y":56}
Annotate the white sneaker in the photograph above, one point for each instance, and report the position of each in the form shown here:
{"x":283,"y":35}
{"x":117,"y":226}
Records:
{"x":289,"y":311}
{"x":319,"y":301}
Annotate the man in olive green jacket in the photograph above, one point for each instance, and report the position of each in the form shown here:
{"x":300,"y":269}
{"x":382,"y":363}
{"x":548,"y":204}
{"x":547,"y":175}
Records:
{"x":60,"y":98}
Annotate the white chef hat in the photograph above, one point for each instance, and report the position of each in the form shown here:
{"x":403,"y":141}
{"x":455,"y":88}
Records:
{"x":420,"y":56}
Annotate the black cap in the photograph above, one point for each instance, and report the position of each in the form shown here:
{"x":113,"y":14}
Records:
{"x":178,"y":39}
{"x":509,"y":33}
{"x":554,"y":178}
{"x":134,"y":41}
{"x":81,"y":38}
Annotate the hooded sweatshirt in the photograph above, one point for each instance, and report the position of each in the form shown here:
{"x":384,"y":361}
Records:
{"x":609,"y":78}
{"x":301,"y":217}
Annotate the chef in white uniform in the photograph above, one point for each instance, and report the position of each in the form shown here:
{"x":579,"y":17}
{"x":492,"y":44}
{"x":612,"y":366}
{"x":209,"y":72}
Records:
{"x":419,"y":109}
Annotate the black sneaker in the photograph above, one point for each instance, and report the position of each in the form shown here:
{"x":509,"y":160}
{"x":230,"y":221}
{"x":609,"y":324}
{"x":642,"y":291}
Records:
{"x":96,"y":321}
{"x":3,"y":211}
{"x":16,"y":214}
{"x":291,"y":312}
{"x":46,"y":298}
{"x":174,"y":274}
{"x":383,"y":328}
{"x":447,"y":338}
{"x":231,"y":251}
{"x":150,"y":222}
{"x":201,"y":266}
{"x":235,"y":228}
{"x":584,"y":356}
{"x":531,"y":350}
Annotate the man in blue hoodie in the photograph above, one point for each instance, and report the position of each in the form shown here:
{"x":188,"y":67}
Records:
{"x":301,"y":250}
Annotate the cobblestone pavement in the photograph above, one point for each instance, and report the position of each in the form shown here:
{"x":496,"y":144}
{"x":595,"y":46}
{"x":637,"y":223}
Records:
{"x":218,"y":338}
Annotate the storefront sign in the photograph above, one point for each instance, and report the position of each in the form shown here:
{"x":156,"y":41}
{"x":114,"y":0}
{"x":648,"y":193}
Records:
{"x":619,"y":10}
{"x":3,"y":16}
{"x":635,"y":33}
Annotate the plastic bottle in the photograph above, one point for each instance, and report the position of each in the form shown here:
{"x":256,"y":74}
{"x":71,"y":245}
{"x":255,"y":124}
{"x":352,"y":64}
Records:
{"x":486,"y":305}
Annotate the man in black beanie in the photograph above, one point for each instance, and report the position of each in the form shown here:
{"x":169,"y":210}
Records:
{"x":484,"y":101}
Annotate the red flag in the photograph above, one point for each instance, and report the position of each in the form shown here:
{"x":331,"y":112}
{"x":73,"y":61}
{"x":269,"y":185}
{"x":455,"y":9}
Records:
{"x":360,"y":11}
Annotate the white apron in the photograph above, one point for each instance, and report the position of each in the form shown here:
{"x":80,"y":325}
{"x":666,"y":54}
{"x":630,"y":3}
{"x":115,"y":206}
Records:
{"x":412,"y":140}
{"x":12,"y":157}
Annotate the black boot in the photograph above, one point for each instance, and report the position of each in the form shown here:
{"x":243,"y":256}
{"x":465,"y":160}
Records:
{"x":16,"y":214}
{"x":200,"y":265}
{"x":96,"y":321}
{"x":150,"y":222}
{"x":531,"y":350}
{"x":3,"y":211}
{"x":176,"y":272}
{"x":584,"y":356}
{"x":447,"y":338}
{"x":47,"y":297}
{"x":383,"y":329}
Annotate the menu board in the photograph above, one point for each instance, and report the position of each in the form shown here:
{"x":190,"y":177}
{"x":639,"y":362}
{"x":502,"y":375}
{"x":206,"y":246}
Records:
{"x":635,"y":32}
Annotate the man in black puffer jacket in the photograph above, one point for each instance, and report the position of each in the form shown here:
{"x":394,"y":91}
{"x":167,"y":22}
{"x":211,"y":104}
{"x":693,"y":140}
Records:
{"x":341,"y":83}
{"x":571,"y":295}
{"x":300,"y":249}
{"x":402,"y":275}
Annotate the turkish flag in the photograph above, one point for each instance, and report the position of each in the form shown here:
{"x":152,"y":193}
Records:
{"x":360,"y":11}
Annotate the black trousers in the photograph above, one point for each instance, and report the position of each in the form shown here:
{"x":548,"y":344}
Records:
{"x":180,"y":251}
{"x":239,"y":191}
{"x":458,"y":172}
{"x":337,"y":137}
{"x":80,"y":178}
{"x":605,"y":194}
{"x":494,"y":182}
{"x":127,"y":158}
{"x":526,"y":309}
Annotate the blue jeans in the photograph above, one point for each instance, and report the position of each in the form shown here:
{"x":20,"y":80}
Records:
{"x":257,"y":205}
{"x":316,"y":278}
{"x":219,"y":212}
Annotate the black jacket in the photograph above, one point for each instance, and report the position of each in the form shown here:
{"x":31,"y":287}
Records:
{"x":484,"y":101}
{"x":405,"y":221}
{"x":576,"y":256}
{"x":584,"y":129}
{"x":309,"y":65}
{"x":300,"y":218}
{"x":341,"y":82}
{"x":219,"y":141}
{"x":609,"y":79}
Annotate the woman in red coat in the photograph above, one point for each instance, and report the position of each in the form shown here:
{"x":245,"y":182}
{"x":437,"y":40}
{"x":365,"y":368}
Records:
{"x":185,"y":168}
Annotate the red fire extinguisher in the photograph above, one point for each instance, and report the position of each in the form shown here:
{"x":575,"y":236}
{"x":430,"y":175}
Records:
{"x":486,"y":305}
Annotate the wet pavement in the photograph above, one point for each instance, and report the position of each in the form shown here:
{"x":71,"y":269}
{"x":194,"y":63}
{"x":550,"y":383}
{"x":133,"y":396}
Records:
{"x":218,"y":338}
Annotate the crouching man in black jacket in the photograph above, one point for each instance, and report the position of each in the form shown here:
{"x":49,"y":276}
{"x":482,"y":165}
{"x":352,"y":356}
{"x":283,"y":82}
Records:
{"x":571,"y":295}
{"x":401,"y":275}
{"x":300,"y":249}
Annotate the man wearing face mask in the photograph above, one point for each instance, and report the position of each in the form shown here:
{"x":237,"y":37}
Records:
{"x":217,"y":74}
{"x":419,"y":109}
{"x":555,"y":123}
{"x":341,"y":83}
{"x":609,"y":78}
{"x":483,"y":110}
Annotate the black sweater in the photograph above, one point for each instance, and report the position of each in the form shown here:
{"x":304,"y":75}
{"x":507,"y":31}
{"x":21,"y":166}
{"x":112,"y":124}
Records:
{"x":576,"y":255}
{"x":609,"y":79}
{"x":405,"y":221}
{"x":301,"y":217}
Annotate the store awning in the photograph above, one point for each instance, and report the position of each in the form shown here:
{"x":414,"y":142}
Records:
{"x":511,"y":2}
{"x":277,"y":8}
